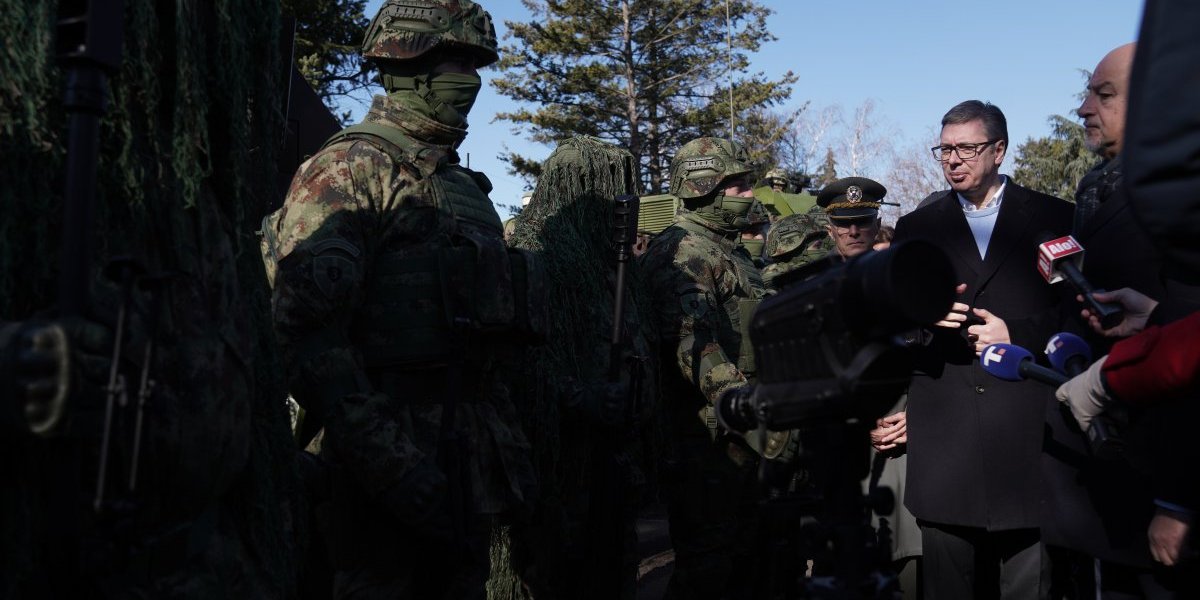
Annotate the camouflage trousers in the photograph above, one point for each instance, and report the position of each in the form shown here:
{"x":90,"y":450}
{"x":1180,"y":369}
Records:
{"x":711,"y":502}
{"x":409,"y":570}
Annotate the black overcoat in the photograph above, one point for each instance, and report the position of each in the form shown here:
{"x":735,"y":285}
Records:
{"x":974,"y":441}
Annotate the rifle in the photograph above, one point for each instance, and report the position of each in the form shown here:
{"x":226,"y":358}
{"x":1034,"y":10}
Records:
{"x":88,"y":39}
{"x":625,"y":221}
{"x":611,"y":464}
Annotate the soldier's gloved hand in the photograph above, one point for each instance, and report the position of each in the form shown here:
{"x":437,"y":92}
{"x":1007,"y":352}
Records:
{"x":602,"y":403}
{"x":1086,"y":394}
{"x":41,"y":359}
{"x":420,"y":501}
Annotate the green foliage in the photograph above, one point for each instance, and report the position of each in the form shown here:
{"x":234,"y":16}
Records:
{"x":1054,"y":164}
{"x":648,"y":75}
{"x":328,"y":34}
{"x":827,"y":174}
{"x":769,"y":136}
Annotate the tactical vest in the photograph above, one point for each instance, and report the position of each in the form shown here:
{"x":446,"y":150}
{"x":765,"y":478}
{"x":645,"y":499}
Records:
{"x":428,"y":305}
{"x":751,"y":283}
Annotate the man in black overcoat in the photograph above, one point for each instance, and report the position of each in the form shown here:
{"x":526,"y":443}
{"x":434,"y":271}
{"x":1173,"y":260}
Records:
{"x":974,"y":441}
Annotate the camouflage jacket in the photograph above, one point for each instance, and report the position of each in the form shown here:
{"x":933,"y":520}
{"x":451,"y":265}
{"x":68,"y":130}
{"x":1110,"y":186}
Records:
{"x":795,"y":241}
{"x":704,"y":288}
{"x":355,"y":210}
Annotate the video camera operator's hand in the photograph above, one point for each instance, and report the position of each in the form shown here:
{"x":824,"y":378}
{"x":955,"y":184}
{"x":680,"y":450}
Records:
{"x":958,"y":311}
{"x":1168,"y":532}
{"x":890,"y":432}
{"x":1137,"y":308}
{"x":1086,"y":394}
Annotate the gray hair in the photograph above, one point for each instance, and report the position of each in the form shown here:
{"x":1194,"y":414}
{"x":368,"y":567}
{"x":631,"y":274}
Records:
{"x":994,"y":122}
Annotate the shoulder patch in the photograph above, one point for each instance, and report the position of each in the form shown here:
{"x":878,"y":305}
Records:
{"x":335,"y":244}
{"x":693,"y":300}
{"x":333,"y":274}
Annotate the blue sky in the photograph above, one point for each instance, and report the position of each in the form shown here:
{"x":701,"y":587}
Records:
{"x":915,"y":59}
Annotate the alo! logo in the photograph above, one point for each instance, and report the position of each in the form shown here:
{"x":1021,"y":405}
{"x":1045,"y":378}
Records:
{"x":1063,"y":246}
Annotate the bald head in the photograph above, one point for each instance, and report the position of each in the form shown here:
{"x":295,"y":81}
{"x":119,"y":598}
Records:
{"x":1103,"y":109}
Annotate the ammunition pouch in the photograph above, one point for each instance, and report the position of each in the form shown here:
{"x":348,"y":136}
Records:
{"x":417,"y":305}
{"x":745,"y":361}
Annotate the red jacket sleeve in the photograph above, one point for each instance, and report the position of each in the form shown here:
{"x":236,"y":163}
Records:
{"x":1160,"y":363}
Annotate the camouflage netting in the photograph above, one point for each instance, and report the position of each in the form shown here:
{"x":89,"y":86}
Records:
{"x":568,"y":224}
{"x":193,"y":130}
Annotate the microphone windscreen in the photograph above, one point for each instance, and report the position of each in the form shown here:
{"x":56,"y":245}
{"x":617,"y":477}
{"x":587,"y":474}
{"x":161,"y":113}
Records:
{"x":1004,"y":361}
{"x":1065,"y":346}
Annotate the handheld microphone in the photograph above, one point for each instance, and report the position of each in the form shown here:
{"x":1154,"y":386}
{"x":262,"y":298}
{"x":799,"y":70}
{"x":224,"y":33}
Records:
{"x":1061,"y":259}
{"x":1071,"y":356}
{"x":1068,"y":354}
{"x":1014,"y":363}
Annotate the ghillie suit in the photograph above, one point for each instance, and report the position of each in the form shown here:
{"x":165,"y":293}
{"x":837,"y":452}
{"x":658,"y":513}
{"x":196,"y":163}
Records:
{"x":187,"y":154}
{"x":588,"y":435}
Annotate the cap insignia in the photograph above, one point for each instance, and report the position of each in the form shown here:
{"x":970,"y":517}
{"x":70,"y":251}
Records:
{"x":853,"y":194}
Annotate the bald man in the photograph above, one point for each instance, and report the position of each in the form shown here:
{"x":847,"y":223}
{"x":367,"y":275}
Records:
{"x":1103,"y":114}
{"x":1111,"y":511}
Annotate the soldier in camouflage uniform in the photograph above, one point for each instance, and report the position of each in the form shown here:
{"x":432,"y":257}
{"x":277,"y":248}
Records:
{"x":754,"y":236}
{"x":795,"y":241}
{"x":705,"y":287}
{"x":778,"y":180}
{"x":394,"y":298}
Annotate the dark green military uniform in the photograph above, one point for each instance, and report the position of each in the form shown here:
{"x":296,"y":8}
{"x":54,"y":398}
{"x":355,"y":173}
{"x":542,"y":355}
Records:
{"x":394,"y":299}
{"x":704,"y":288}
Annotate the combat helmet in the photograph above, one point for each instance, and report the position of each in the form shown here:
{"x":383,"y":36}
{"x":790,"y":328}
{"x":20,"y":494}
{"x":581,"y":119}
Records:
{"x":702,"y":164}
{"x":778,"y":177}
{"x":794,"y":232}
{"x":407,"y":29}
{"x":699,"y":169}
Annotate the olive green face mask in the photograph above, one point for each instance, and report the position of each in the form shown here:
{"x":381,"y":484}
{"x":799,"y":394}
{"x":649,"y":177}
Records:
{"x":729,"y":211}
{"x":456,"y":89}
{"x":754,"y":247}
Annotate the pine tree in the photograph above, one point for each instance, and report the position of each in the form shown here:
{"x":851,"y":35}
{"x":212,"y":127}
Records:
{"x":1054,"y":164}
{"x":827,"y":174}
{"x":328,"y":34}
{"x":648,"y":75}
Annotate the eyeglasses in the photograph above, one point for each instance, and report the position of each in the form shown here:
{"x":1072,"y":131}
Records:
{"x":965,"y":151}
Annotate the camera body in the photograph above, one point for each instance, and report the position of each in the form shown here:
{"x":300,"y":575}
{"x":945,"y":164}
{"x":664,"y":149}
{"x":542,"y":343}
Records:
{"x":833,"y":343}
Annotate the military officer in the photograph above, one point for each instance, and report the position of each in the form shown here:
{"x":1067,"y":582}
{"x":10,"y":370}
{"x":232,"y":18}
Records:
{"x":394,"y":296}
{"x":852,"y":205}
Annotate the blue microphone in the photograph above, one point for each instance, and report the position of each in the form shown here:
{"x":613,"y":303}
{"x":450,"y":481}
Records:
{"x":1068,"y":354}
{"x":1014,"y":363}
{"x":1071,"y":356}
